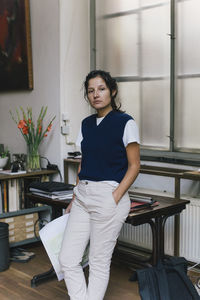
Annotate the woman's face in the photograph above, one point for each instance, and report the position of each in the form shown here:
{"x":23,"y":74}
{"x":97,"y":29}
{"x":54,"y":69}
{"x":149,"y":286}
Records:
{"x":99,"y":94}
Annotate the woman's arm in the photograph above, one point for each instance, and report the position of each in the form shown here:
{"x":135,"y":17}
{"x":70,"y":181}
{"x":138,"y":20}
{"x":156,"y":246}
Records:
{"x":77,"y":180}
{"x":133,"y":156}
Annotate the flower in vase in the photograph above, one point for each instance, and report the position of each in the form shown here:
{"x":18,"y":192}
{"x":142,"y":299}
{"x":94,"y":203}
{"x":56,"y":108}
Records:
{"x":32,"y":133}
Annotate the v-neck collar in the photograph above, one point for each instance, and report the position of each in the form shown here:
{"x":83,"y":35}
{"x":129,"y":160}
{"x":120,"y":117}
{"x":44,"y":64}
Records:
{"x":104,"y":118}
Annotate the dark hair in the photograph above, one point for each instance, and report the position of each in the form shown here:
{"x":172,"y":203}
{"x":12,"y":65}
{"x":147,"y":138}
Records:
{"x":111,"y":83}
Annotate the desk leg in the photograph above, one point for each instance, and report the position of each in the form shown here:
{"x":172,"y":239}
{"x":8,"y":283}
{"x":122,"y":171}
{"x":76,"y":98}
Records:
{"x":158,"y":237}
{"x":177,"y":220}
{"x":40,"y":278}
{"x":162,"y":236}
{"x":154,"y":242}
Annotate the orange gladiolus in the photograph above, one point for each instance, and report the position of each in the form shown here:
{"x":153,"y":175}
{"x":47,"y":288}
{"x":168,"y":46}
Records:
{"x":40,"y":128}
{"x":21,"y":124}
{"x":49,"y":127}
{"x":45,"y":134}
{"x":25,"y":130}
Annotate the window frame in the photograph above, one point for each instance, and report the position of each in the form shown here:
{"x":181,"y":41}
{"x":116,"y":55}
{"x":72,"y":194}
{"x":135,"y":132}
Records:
{"x":173,"y":154}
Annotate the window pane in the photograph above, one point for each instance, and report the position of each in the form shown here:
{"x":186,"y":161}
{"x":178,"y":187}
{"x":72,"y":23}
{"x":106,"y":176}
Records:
{"x":113,"y":6}
{"x":187,"y":114}
{"x":130,"y":99}
{"x":188,"y":33}
{"x":117,"y":45}
{"x":155,"y":111}
{"x":152,"y":2}
{"x":155,"y":26}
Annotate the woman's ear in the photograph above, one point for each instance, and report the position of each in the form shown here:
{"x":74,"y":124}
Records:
{"x":114,"y":93}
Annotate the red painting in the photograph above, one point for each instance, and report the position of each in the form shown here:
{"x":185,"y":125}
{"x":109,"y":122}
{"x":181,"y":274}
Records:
{"x":15,"y":46}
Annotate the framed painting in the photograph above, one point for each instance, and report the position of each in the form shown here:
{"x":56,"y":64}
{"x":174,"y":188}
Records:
{"x":15,"y":46}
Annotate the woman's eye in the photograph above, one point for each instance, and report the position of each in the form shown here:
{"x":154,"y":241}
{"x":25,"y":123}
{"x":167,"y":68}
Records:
{"x":90,"y":91}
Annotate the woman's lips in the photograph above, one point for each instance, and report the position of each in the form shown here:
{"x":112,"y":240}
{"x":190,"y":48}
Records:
{"x":97,"y":102}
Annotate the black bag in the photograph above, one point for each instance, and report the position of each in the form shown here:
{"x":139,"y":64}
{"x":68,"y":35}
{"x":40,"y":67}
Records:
{"x":166,"y":281}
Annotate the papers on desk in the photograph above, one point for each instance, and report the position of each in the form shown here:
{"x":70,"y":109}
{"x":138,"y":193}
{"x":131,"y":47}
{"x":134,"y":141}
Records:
{"x":51,"y":236}
{"x":53,"y":195}
{"x":139,"y":202}
{"x":52,"y":190}
{"x":141,"y":198}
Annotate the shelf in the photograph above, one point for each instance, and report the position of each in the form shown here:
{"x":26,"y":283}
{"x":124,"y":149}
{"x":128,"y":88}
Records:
{"x":25,"y":211}
{"x":28,"y":174}
{"x":39,"y":210}
{"x":23,"y":228}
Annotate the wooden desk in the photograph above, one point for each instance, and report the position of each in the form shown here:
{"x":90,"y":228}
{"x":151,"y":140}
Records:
{"x":57,"y":205}
{"x":155,"y":217}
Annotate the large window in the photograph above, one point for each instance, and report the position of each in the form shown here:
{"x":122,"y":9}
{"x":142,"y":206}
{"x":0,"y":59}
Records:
{"x":152,"y":47}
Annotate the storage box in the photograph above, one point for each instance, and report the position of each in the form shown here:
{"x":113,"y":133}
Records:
{"x":22,"y":227}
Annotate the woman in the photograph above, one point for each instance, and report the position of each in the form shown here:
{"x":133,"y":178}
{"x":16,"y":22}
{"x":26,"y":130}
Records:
{"x":110,"y":164}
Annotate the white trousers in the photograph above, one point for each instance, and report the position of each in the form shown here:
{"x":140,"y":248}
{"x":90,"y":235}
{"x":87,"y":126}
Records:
{"x":94,"y":216}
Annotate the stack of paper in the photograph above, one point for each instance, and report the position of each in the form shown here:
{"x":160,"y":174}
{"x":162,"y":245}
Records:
{"x":53,"y":190}
{"x":53,"y":195}
{"x":139,"y":202}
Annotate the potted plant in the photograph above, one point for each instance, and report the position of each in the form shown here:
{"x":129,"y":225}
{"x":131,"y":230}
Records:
{"x":4,"y":156}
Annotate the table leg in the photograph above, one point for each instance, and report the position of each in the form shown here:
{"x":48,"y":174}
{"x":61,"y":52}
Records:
{"x":158,"y":237}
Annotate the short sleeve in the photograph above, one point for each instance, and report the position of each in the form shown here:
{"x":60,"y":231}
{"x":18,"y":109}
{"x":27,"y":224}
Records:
{"x":79,"y":138}
{"x":131,"y":133}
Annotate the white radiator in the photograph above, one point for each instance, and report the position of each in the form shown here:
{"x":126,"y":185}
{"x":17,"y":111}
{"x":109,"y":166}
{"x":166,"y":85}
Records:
{"x":189,"y":233}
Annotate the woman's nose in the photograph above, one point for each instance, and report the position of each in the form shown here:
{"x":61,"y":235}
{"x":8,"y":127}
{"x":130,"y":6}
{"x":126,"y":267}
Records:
{"x":96,"y":93}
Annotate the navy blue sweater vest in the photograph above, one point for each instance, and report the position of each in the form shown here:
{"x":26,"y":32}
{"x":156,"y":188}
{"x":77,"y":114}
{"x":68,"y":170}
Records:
{"x":103,"y":152}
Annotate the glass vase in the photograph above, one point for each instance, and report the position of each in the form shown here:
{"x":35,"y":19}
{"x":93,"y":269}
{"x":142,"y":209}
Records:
{"x":33,"y":159}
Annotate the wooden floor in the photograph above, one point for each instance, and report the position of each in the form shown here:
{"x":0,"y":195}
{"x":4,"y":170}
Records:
{"x":15,"y":282}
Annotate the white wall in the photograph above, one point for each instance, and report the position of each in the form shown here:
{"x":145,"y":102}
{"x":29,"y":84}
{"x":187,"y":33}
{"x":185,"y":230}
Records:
{"x":60,"y":49}
{"x":74,"y":65}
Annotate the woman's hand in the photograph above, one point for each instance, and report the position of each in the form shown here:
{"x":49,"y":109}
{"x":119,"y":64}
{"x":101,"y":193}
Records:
{"x":70,"y":205}
{"x":116,"y":196}
{"x":133,"y":156}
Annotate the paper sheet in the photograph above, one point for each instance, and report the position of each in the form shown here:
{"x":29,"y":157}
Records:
{"x":51,"y":236}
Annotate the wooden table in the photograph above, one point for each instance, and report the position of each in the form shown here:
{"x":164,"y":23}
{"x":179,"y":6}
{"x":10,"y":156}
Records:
{"x":155,"y":217}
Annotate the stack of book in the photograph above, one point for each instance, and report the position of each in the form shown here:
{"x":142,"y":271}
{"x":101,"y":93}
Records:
{"x":140,"y":202}
{"x":74,"y":155}
{"x":52,"y":189}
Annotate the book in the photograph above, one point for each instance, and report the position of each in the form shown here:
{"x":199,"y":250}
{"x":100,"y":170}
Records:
{"x":137,"y":206}
{"x":52,"y":196}
{"x":13,"y":192}
{"x":51,"y":186}
{"x":141,"y":198}
{"x":1,"y":202}
{"x":5,"y":196}
{"x":55,"y":193}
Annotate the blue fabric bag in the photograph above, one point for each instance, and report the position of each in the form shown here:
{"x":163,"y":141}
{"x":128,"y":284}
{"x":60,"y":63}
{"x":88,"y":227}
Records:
{"x":167,"y":280}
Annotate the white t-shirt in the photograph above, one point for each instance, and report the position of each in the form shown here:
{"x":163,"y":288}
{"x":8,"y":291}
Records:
{"x":131,"y":135}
